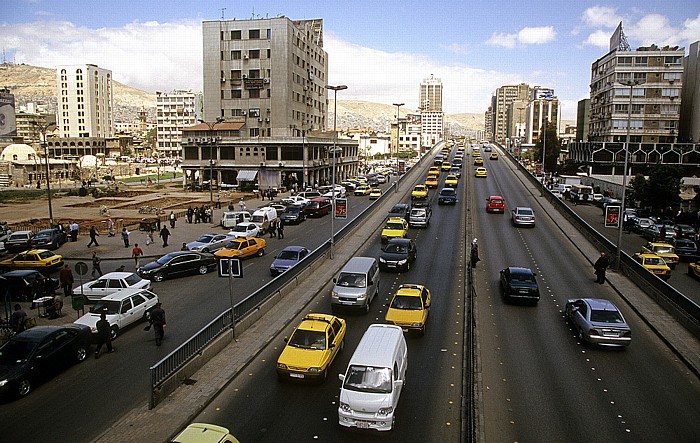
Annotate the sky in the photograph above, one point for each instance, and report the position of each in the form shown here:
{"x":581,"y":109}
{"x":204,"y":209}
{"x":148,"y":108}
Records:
{"x":381,"y":50}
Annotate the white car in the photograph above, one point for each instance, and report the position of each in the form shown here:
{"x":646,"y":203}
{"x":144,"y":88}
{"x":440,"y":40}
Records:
{"x":110,"y":283}
{"x":122,"y":308}
{"x":297,"y":200}
{"x":209,"y":242}
{"x":246,"y":229}
{"x":339,"y":192}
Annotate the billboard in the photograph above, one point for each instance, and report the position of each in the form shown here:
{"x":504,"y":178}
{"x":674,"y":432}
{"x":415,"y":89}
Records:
{"x":8,"y":124}
{"x":616,"y":38}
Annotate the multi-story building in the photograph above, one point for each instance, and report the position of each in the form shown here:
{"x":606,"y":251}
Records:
{"x":269,"y":74}
{"x":504,"y":97}
{"x":34,"y":126}
{"x":488,"y":124}
{"x":582,"y":112}
{"x":542,"y":108}
{"x":690,"y":106}
{"x":174,"y":110}
{"x":85,"y":101}
{"x":432,"y":117}
{"x":430,"y":98}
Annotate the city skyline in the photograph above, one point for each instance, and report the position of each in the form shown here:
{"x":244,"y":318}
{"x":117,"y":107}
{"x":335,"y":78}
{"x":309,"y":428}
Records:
{"x":382,"y":52}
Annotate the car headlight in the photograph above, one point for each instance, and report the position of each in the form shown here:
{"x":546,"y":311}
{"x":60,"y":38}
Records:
{"x":385,"y":411}
{"x":402,"y":262}
{"x":345,"y":407}
{"x":382,"y":260}
{"x":416,"y":324}
{"x":315,"y":370}
{"x":282,"y":366}
{"x":334,"y":294}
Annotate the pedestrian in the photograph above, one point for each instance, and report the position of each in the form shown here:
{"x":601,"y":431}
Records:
{"x":662,"y":233}
{"x":230,"y":205}
{"x":241,"y":204}
{"x":190,"y":213}
{"x":172,"y":219}
{"x":136,"y":253}
{"x":600,"y":266}
{"x":96,"y":264}
{"x":184,"y":247}
{"x":93,"y":236}
{"x":104,"y":335}
{"x":125,"y":237}
{"x":280,"y":228}
{"x":18,"y":318}
{"x":272,"y":228}
{"x":158,"y":322}
{"x":218,"y":201}
{"x":73,"y":228}
{"x":149,"y":236}
{"x":110,"y":227}
{"x":474,"y":256}
{"x":196,"y":215}
{"x":65,"y":277}
{"x":164,"y":234}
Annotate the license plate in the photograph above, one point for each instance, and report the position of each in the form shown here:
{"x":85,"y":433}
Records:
{"x":523,"y":291}
{"x":362,"y":425}
{"x":296,"y":375}
{"x":390,"y":265}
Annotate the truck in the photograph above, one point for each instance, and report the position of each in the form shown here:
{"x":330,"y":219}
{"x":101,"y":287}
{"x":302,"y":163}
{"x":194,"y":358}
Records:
{"x":569,"y":180}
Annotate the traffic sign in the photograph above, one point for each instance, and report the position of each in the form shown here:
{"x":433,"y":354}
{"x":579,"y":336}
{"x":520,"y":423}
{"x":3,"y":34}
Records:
{"x":233,"y":264}
{"x":81,"y":268}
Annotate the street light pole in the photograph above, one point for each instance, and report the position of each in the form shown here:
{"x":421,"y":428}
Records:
{"x":335,"y":90}
{"x":43,"y":129}
{"x":398,"y":137}
{"x":211,"y":126}
{"x":618,"y":253}
{"x":547,"y":97}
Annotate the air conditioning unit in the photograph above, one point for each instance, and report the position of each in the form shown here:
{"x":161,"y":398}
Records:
{"x":671,"y":81}
{"x":197,"y":140}
{"x":245,"y":76}
{"x":306,"y":88}
{"x":189,"y":140}
{"x":245,"y":57}
{"x":243,"y":112}
{"x":281,"y":164}
{"x":260,"y":120}
{"x":267,"y":120}
{"x":223,"y":79}
{"x":267,"y":80}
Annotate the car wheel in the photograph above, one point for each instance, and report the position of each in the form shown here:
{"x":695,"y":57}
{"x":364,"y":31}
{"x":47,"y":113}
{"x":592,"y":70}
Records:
{"x":205,"y":250}
{"x":24,"y":387}
{"x":81,"y":354}
{"x":202,"y":270}
{"x":158,"y":276}
{"x":422,"y":331}
{"x":261,"y":252}
{"x":114,"y":331}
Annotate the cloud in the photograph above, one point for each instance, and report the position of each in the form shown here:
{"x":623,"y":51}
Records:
{"x":504,"y":40}
{"x":526,"y":36}
{"x":691,"y":29}
{"x":599,"y":39}
{"x":458,"y":48}
{"x":601,"y":17}
{"x":653,"y":28}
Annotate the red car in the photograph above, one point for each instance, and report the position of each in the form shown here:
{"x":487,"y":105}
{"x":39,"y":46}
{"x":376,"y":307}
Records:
{"x":495,"y":203}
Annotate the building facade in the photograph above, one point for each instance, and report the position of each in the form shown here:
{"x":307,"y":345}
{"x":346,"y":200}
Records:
{"x":430,"y":97}
{"x":582,"y":111}
{"x":85,"y":101}
{"x":269,"y":74}
{"x":690,"y":92}
{"x":174,"y":110}
{"x":504,"y":97}
{"x":542,"y":108}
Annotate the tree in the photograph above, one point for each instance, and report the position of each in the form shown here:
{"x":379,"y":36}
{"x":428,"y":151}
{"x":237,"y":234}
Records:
{"x":637,"y":190}
{"x":552,"y":148}
{"x":661,"y":191}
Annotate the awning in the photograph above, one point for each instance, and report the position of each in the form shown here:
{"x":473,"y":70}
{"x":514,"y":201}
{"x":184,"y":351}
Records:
{"x":246,"y":175}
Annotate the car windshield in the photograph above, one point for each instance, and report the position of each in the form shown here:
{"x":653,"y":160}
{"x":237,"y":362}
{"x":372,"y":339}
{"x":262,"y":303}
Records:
{"x":15,"y":351}
{"x":293,"y":209}
{"x":164,"y":260}
{"x":43,"y":234}
{"x":418,"y":212}
{"x":448,"y":192}
{"x":46,"y":254}
{"x":368,"y":379}
{"x":522,"y":277}
{"x":105,"y":306}
{"x":396,"y":226}
{"x":605,"y":316}
{"x":205,"y":238}
{"x":132,"y":279}
{"x":240,"y":228}
{"x":288,"y":255}
{"x":306,"y":339}
{"x":654,"y":261}
{"x":663,"y":250}
{"x":352,"y":280}
{"x":396,"y":248}
{"x":409,"y":303}
{"x":524,"y":211}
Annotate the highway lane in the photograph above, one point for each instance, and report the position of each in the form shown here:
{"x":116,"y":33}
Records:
{"x":537,"y":382}
{"x":97,"y":392}
{"x":257,"y":407}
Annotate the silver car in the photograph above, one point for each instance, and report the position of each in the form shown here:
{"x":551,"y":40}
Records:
{"x":210,"y":242}
{"x":598,"y":321}
{"x":523,"y":216}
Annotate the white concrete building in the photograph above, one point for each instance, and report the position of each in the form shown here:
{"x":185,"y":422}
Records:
{"x":175,"y":110}
{"x":85,"y":101}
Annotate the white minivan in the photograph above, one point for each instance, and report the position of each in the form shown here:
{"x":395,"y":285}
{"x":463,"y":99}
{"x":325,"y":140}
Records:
{"x":262,"y":218}
{"x":374,"y":379}
{"x":357,"y":284}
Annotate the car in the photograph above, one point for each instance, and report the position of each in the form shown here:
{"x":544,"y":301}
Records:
{"x":478,"y":161}
{"x":493,"y":156}
{"x":446,"y":166}
{"x":348,"y":185}
{"x":480,"y":172}
{"x":447,"y":196}
{"x":243,"y":247}
{"x":434,"y":170}
{"x":42,"y":260}
{"x":375,"y":193}
{"x":496,"y":204}
{"x":48,"y":239}
{"x":395,"y":227}
{"x":318,"y":207}
{"x":419,"y":192}
{"x":209,"y":242}
{"x":309,"y":194}
{"x":296,"y":200}
{"x":278,"y":207}
{"x":687,"y":250}
{"x":339,"y":192}
{"x":230,"y":219}
{"x":293,"y":215}
{"x":381,"y":178}
{"x":605,"y":201}
{"x":451,"y":180}
{"x":409,"y":308}
{"x":639,"y":224}
{"x":27,"y":284}
{"x":598,"y":321}
{"x":654,"y":264}
{"x":663,"y":250}
{"x":362,"y":190}
{"x":398,"y":254}
{"x":19,"y":241}
{"x":694,"y":269}
{"x":110,"y":283}
{"x":685,"y":231}
{"x":654,"y":233}
{"x":312,"y":347}
{"x":432,"y":181}
{"x":401,"y":210}
{"x":523,"y":216}
{"x":177,"y":264}
{"x":246,"y":229}
{"x":204,"y":433}
{"x":457,"y":172}
{"x":420,"y":214}
{"x":121,"y":308}
{"x":288,"y":257}
{"x":596,"y":198}
{"x":557,"y":193}
{"x":37,"y":354}
{"x":519,"y":283}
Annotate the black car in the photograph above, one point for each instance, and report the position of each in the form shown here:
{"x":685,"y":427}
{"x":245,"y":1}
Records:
{"x":398,"y":255}
{"x":27,"y":284}
{"x":293,"y":215}
{"x":520,"y":284}
{"x":19,"y":241}
{"x":177,"y":264}
{"x":48,"y":239}
{"x":37,"y":354}
{"x":401,"y":210}
{"x":686,"y":250}
{"x":448,"y":196}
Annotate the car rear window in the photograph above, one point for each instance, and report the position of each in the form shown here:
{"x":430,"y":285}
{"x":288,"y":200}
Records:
{"x":606,"y":316}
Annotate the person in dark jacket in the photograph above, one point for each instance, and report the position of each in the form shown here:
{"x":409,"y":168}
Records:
{"x":600,"y":266}
{"x":67,"y":280}
{"x":93,"y":236}
{"x":158,"y":322}
{"x":280,"y":228}
{"x":18,"y":317}
{"x":104,"y":335}
{"x":164,"y":234}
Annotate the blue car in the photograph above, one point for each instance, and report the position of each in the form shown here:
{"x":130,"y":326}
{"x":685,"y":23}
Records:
{"x":288,"y":257}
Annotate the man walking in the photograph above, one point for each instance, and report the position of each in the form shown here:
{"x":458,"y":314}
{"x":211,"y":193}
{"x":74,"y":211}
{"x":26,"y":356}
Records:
{"x":104,"y":335}
{"x":65,"y":277}
{"x":110,"y":227}
{"x":158,"y":322}
{"x":96,"y":265}
{"x":172,"y":219}
{"x":600,"y":266}
{"x":164,"y":234}
{"x":93,"y":236}
{"x":136,"y":253}
{"x":280,"y":228}
{"x":125,"y":237}
{"x":73,"y":228}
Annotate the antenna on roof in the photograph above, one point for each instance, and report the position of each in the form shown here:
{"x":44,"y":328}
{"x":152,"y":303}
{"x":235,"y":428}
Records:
{"x":222,"y":13}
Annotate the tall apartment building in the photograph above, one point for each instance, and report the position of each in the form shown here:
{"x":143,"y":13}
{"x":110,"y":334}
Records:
{"x":655,"y":100}
{"x":85,"y":101}
{"x":432,"y":117}
{"x":488,"y":124}
{"x":269,"y":74}
{"x":175,"y":110}
{"x":431,"y":94}
{"x":505,"y":96}
{"x":583,"y":109}
{"x":690,"y":107}
{"x":542,"y":107}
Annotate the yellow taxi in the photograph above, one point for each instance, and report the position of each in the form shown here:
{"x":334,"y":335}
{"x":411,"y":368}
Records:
{"x":480,"y":172}
{"x":375,"y":193}
{"x":420,"y":192}
{"x":312,"y":347}
{"x":494,"y":156}
{"x":694,"y":269}
{"x":41,"y":260}
{"x":432,"y":181}
{"x":654,"y":264}
{"x":434,"y":170}
{"x":204,"y":433}
{"x":395,"y":227}
{"x":478,"y":161}
{"x":663,"y":250}
{"x":446,"y":166}
{"x":242,"y":247}
{"x":409,"y":308}
{"x":451,"y":180}
{"x":476,"y":153}
{"x":363,"y":190}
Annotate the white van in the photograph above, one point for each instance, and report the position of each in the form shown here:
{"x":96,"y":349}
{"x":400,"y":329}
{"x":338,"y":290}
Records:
{"x":374,"y":379}
{"x":357,"y":283}
{"x":262,"y":218}
{"x":230,"y":219}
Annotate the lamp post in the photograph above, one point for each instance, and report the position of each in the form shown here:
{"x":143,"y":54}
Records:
{"x":398,"y":137}
{"x":631,"y":84}
{"x":335,"y":90}
{"x":211,"y":126}
{"x":42,"y":129}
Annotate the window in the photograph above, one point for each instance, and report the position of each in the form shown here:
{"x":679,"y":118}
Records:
{"x":236,"y":55}
{"x":672,"y":60}
{"x":670,"y":92}
{"x":253,"y":34}
{"x":236,"y":35}
{"x":640,"y":76}
{"x":624,"y":61}
{"x":254,"y":73}
{"x":672,"y":76}
{"x":254,"y":112}
{"x":641,"y":61}
{"x":235,"y":74}
{"x":670,"y":109}
{"x":254,"y":93}
{"x":236,"y":93}
{"x":254,"y":53}
{"x":254,"y":132}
